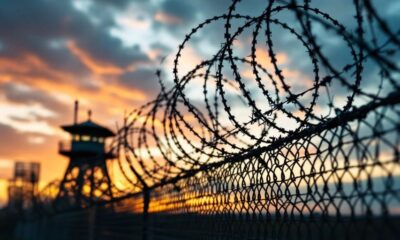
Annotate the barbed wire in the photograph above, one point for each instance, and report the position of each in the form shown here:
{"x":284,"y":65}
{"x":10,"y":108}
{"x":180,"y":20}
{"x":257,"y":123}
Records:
{"x":254,"y":143}
{"x":242,"y":111}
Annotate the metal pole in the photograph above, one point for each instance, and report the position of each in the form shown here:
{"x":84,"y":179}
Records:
{"x":146,"y":202}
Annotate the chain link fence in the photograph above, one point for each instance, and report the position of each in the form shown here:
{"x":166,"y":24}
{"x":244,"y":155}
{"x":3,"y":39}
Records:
{"x":263,"y":151}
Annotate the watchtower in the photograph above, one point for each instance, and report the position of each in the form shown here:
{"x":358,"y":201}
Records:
{"x":86,"y":179}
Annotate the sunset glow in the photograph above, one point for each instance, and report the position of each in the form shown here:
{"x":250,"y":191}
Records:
{"x":105,"y":54}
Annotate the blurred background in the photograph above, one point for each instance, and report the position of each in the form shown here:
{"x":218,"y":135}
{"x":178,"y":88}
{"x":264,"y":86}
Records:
{"x":105,"y":53}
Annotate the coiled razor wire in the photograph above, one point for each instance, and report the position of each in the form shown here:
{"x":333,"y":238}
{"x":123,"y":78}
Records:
{"x":249,"y":108}
{"x":245,"y":147}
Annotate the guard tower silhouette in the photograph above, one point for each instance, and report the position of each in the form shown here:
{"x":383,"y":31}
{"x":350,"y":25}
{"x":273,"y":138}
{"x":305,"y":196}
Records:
{"x":86,"y":179}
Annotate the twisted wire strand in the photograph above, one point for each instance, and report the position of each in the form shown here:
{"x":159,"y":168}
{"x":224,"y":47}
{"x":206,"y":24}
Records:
{"x":176,"y":133}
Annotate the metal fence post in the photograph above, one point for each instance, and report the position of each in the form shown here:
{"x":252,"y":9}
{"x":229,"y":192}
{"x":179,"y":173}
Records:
{"x":146,"y":202}
{"x":92,"y":223}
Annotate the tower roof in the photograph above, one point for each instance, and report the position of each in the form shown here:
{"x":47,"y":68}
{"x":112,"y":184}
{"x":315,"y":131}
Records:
{"x":88,"y":128}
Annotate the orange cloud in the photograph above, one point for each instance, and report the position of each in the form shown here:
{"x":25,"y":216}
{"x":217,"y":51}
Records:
{"x":265,"y":61}
{"x":24,"y":64}
{"x":153,"y":54}
{"x":51,"y":80}
{"x":108,"y":101}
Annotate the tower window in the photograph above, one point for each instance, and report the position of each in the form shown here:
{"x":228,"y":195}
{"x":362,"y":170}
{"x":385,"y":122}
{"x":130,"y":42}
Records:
{"x":85,"y":138}
{"x":101,"y":140}
{"x":76,"y":137}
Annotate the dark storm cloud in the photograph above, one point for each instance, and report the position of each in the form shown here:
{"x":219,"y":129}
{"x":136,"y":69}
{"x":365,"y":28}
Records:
{"x":119,"y":4}
{"x":31,"y":26}
{"x":184,"y":10}
{"x":333,"y":46}
{"x":144,"y":79}
{"x":178,"y":16}
{"x":161,"y":47}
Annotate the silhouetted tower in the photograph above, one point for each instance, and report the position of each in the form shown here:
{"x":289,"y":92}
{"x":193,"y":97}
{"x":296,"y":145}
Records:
{"x":86,"y":179}
{"x":23,"y":187}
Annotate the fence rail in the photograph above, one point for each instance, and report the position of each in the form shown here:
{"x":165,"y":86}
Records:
{"x":271,"y":149}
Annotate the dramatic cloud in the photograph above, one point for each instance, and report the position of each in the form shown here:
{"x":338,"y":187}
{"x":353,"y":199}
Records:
{"x":105,"y":53}
{"x":52,"y":53}
{"x":144,"y":79}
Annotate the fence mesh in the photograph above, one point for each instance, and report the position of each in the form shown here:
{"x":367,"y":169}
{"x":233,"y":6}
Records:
{"x":248,"y":145}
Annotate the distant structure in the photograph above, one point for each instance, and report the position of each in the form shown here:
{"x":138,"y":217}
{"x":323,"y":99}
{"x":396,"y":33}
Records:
{"x":23,"y":187}
{"x":86,"y":179}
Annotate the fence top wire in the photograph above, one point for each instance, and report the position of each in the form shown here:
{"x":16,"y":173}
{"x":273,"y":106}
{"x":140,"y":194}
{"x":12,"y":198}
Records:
{"x":239,"y":104}
{"x":316,"y":133}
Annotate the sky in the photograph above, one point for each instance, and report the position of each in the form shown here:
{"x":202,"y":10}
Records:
{"x":103,"y":53}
